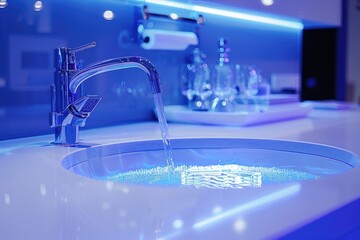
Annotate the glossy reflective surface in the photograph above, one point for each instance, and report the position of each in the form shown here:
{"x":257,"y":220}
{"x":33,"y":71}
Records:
{"x":40,"y":199}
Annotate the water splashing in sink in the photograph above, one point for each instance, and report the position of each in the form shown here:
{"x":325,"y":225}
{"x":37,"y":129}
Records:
{"x":227,"y":176}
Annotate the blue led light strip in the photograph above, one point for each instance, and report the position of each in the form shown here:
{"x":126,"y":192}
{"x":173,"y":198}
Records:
{"x":231,"y":14}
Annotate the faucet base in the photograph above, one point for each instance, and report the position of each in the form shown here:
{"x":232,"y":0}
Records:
{"x":66,"y":134}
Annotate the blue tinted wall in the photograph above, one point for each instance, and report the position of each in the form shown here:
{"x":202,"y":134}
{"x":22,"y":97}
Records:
{"x":28,"y":37}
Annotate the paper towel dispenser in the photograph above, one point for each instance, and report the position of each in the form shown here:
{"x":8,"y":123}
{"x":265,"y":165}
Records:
{"x":158,"y":31}
{"x":156,"y":39}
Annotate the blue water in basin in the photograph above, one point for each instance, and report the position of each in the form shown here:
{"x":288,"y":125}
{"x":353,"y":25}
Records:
{"x":213,"y":163}
{"x":211,"y":176}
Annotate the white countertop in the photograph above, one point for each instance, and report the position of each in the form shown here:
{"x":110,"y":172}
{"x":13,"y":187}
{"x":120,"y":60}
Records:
{"x":39,"y":199}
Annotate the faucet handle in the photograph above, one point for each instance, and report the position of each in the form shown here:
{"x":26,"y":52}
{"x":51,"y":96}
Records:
{"x":65,"y":59}
{"x":83,"y":47}
{"x":80,"y":110}
{"x":72,"y":58}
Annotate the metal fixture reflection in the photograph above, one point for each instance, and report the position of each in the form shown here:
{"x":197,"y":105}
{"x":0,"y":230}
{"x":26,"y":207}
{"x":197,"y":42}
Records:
{"x":69,"y":109}
{"x":199,"y":19}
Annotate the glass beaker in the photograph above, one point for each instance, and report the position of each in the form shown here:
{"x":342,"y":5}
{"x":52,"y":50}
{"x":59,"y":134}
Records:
{"x":253,"y":90}
{"x":197,"y":82}
{"x":223,"y":80}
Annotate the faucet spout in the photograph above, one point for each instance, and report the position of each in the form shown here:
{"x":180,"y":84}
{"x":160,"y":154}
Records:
{"x":69,"y":110}
{"x":116,"y":64}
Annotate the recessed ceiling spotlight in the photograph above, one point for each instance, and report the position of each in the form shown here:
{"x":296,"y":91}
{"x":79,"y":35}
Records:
{"x":108,"y":15}
{"x":3,"y":3}
{"x":38,"y":6}
{"x":267,"y":2}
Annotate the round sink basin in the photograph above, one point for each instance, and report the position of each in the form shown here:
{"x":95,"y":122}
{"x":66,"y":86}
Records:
{"x":213,"y":163}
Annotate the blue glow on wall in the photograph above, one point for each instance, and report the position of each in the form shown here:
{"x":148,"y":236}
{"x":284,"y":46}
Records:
{"x":28,"y":35}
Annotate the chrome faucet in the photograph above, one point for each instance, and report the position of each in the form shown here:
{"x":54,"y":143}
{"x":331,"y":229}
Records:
{"x":69,"y":109}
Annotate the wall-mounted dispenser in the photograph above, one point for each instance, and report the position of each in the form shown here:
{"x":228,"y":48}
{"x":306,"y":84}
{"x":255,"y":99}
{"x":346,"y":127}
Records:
{"x":167,"y":32}
{"x":167,"y":39}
